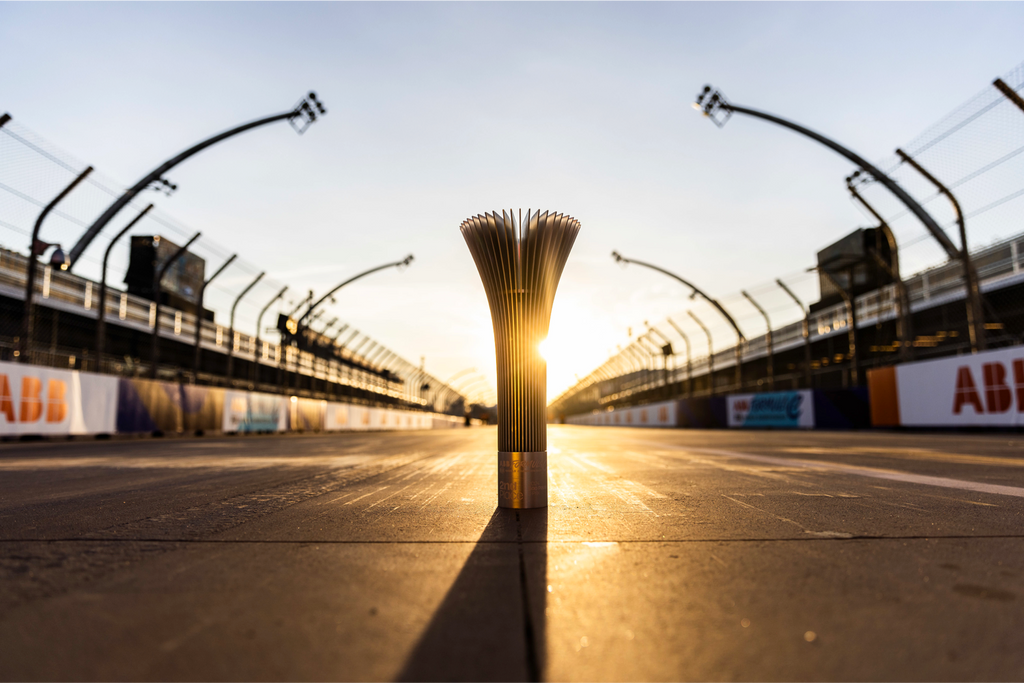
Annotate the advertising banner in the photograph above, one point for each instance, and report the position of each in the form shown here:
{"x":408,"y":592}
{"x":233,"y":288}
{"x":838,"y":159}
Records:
{"x":358,"y":418}
{"x":248,"y":412}
{"x":307,"y":414}
{"x":146,"y":406}
{"x":662,"y":414}
{"x":336,"y":417}
{"x":983,"y":389}
{"x":38,"y":400}
{"x":787,"y":409}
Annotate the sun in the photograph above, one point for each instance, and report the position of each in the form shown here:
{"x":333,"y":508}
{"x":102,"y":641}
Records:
{"x":544,"y":349}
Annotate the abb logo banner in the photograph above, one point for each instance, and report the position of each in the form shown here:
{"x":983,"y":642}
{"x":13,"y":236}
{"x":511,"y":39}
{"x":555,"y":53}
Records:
{"x":981,"y":389}
{"x":37,"y":400}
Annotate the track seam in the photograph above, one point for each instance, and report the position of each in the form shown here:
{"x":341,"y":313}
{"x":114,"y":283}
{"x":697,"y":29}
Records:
{"x":519,"y":540}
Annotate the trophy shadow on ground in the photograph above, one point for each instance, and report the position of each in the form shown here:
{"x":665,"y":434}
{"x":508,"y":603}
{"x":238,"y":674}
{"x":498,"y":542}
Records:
{"x":490,"y":624}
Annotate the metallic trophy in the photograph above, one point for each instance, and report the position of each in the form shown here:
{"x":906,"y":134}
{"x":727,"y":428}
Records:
{"x":520,"y":263}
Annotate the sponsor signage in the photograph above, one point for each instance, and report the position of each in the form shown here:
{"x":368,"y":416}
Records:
{"x":983,"y":389}
{"x":250,"y":412}
{"x":790,"y":409}
{"x":38,"y":400}
{"x":651,"y":415}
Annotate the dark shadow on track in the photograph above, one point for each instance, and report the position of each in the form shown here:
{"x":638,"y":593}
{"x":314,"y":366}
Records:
{"x":487,"y":627}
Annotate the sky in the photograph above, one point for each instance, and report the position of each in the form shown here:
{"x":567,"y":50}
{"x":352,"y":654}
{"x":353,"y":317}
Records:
{"x":441,"y":111}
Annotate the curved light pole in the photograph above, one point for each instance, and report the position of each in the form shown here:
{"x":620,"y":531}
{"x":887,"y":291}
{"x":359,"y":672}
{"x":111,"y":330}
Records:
{"x":355,"y":333}
{"x":904,"y":322}
{"x":808,"y":373}
{"x":259,"y":330}
{"x":767,"y":338}
{"x":199,"y":312}
{"x":714,"y":106}
{"x":666,"y":352}
{"x":711,"y":353}
{"x":101,"y":318}
{"x":473,"y":381}
{"x":334,"y":339}
{"x":154,"y":353}
{"x":397,"y":264}
{"x":35,"y":248}
{"x":330,"y":323}
{"x":653,"y":352}
{"x":714,"y":302}
{"x":975,"y":310}
{"x":636,"y":362}
{"x":689,"y":365}
{"x":231,"y":326}
{"x":307,"y":110}
{"x":458,"y":374}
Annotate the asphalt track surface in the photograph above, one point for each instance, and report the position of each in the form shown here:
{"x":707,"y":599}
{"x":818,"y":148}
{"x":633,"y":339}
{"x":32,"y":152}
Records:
{"x":663,"y":555}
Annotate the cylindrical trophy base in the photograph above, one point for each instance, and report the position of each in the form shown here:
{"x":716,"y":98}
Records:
{"x":522,"y":479}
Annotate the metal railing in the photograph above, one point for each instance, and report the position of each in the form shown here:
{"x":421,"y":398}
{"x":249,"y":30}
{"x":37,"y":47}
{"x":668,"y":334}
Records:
{"x":63,"y":291}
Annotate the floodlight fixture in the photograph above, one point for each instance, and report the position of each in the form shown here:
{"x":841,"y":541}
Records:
{"x":520,"y":260}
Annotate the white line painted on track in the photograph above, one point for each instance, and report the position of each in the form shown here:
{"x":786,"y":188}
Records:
{"x":891,"y":475}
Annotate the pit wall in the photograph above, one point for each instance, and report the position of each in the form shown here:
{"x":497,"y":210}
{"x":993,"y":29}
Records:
{"x":980,"y":390}
{"x":803,"y":409}
{"x":44,"y":401}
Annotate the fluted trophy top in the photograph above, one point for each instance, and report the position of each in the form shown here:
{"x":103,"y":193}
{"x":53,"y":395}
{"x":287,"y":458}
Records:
{"x":517,"y":253}
{"x":520,"y":260}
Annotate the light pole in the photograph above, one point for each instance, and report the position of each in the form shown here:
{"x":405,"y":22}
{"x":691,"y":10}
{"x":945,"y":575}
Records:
{"x":975,"y":311}
{"x":259,"y":330}
{"x":35,"y":248}
{"x":154,"y":353}
{"x":397,"y":264}
{"x":904,"y":316}
{"x":689,"y":366}
{"x":808,"y":371}
{"x":231,"y":326}
{"x":1000,"y":85}
{"x":199,"y":312}
{"x":355,"y":333}
{"x":767,"y":338}
{"x":666,"y":352}
{"x":653,"y":351}
{"x":101,"y":318}
{"x":714,"y":302}
{"x":711,"y":353}
{"x":306,"y":111}
{"x":458,"y":374}
{"x":714,"y":106}
{"x":341,"y":330}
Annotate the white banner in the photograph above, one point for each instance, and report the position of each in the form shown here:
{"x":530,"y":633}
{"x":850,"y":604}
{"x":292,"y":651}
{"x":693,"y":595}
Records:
{"x":358,"y":418}
{"x":651,"y":415}
{"x":984,"y":389}
{"x":337,"y":417}
{"x":38,"y":400}
{"x":786,"y":409}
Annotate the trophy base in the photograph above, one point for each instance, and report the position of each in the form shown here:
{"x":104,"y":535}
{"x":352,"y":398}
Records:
{"x":522,"y":479}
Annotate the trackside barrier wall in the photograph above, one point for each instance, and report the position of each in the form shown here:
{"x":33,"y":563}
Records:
{"x":806,"y":409}
{"x":651,"y":415}
{"x":37,"y":400}
{"x":980,"y":390}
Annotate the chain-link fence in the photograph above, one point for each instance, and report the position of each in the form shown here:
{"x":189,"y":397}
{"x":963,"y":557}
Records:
{"x":977,"y":154}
